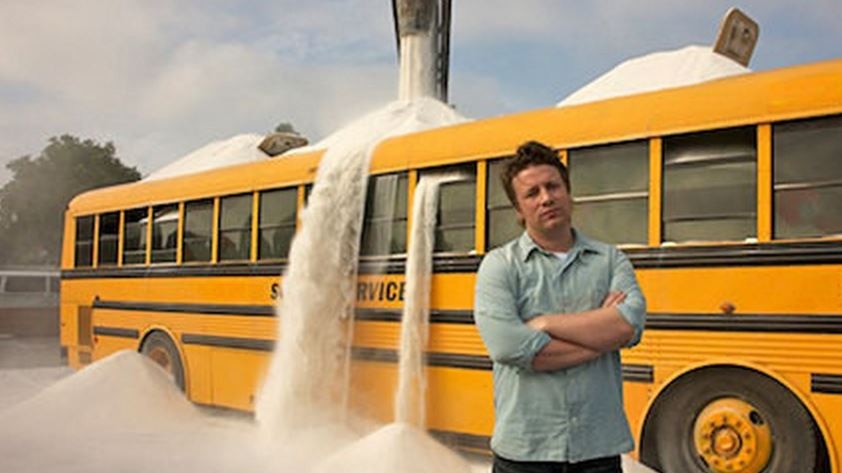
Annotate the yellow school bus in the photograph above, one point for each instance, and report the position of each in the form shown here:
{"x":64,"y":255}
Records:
{"x":726,"y":196}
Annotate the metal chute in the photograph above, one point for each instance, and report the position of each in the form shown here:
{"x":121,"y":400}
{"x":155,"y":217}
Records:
{"x":422,"y":34}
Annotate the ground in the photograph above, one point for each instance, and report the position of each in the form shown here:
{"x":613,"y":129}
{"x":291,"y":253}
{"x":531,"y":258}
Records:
{"x":131,"y":415}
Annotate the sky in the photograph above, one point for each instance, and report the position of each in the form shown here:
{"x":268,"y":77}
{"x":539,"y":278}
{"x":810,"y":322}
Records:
{"x":161,"y":78}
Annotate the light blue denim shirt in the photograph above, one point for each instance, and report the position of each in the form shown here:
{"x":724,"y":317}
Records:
{"x":572,"y":414}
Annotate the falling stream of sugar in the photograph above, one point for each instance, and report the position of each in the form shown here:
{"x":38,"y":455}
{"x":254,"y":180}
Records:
{"x":404,"y":446}
{"x":410,"y":405}
{"x":307,"y":383}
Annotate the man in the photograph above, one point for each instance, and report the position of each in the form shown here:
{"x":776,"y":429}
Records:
{"x":553,"y":308}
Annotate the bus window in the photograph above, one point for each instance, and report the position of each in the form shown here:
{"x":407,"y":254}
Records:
{"x":26,"y":284}
{"x":710,"y":186}
{"x":456,"y":214}
{"x":164,"y":233}
{"x":808,"y":178}
{"x":277,"y":222}
{"x":84,"y":251}
{"x":235,"y":228}
{"x":384,"y":224}
{"x":502,"y":223}
{"x":134,"y":236}
{"x":610,"y":189}
{"x":109,"y":233}
{"x":198,"y":228}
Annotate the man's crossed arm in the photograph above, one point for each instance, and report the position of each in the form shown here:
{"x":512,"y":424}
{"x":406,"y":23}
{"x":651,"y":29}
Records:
{"x":581,"y":337}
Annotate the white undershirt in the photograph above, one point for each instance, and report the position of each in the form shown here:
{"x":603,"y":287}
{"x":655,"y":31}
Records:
{"x":561,"y":255}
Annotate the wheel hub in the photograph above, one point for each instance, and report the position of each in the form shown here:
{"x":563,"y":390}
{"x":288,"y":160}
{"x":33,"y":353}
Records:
{"x":726,"y":442}
{"x":731,"y":437}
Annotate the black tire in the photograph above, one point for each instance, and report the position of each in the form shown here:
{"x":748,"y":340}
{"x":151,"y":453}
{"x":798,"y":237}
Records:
{"x":669,"y":436}
{"x":160,"y":348}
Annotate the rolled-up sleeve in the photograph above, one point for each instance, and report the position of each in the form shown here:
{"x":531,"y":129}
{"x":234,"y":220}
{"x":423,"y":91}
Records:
{"x":633,"y":308}
{"x":508,"y":339}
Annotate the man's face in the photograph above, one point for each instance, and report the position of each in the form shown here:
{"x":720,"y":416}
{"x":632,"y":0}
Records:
{"x":542,"y":199}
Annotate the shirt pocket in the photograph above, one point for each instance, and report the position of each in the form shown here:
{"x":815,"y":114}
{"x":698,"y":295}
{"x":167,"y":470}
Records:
{"x":586,"y":293}
{"x":538,"y":297}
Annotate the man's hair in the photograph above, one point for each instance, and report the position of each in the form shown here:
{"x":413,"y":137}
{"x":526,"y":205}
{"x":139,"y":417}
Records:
{"x":531,"y":153}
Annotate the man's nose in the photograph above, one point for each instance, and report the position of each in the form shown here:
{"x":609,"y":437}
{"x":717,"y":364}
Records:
{"x":546,"y":197}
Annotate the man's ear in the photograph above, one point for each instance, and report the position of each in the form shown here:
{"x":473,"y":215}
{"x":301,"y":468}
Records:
{"x":520,"y":220}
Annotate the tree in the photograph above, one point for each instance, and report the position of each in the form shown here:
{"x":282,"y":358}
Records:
{"x":33,"y":202}
{"x":285,"y":127}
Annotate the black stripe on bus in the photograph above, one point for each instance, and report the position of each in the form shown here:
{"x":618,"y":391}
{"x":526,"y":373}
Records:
{"x":462,"y":440}
{"x":465,"y":317}
{"x":450,"y":360}
{"x":638,"y":373}
{"x":441,"y":264}
{"x":376,"y":315}
{"x":631,"y":372}
{"x":447,"y":360}
{"x":186,"y":308}
{"x":831,"y":324}
{"x":175,"y":271}
{"x":116,"y":332}
{"x":752,"y":254}
{"x":797,"y":323}
{"x":826,"y":383}
{"x":743,"y":255}
{"x":374,"y":354}
{"x":257,"y":344}
{"x":454,"y":264}
{"x":765,"y":323}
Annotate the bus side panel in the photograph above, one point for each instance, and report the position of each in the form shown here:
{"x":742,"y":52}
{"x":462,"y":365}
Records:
{"x":372,"y":387}
{"x":197,"y":367}
{"x":636,"y":397}
{"x":67,"y":325}
{"x":748,"y":289}
{"x":829,"y":408}
{"x":106,"y":346}
{"x":457,"y":400}
{"x":237,"y":376}
{"x":460,"y":400}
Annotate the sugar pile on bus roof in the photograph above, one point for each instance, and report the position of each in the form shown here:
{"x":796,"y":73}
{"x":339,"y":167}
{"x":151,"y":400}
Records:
{"x":657,"y":71}
{"x":236,"y":150}
{"x":243,"y":148}
{"x":427,"y":113}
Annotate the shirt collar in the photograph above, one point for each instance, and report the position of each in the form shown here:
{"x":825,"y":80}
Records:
{"x":581,"y":244}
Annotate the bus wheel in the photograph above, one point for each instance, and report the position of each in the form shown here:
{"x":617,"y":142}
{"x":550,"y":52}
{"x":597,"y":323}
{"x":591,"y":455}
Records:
{"x":160,"y":348}
{"x":729,"y":419}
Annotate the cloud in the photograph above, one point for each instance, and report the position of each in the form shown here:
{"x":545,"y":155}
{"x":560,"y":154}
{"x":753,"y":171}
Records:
{"x":163,"y":78}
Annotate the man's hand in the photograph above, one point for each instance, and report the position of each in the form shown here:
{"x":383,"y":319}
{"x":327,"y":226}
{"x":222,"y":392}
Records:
{"x":613,"y":299}
{"x":602,"y":329}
